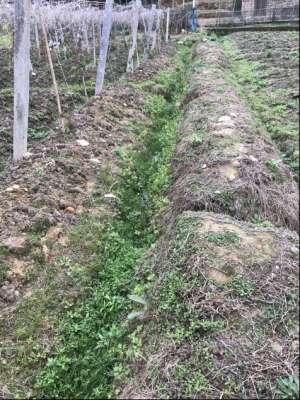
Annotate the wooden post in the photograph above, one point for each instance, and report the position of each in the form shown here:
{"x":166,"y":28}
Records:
{"x":167,"y":24}
{"x":21,"y":77}
{"x":104,"y":42}
{"x":52,"y":73}
{"x":37,"y":39}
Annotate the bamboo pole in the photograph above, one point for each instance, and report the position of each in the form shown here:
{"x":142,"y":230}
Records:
{"x":52,"y":74}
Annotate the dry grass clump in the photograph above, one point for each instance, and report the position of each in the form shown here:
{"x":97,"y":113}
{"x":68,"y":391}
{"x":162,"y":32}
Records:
{"x":225,"y":161}
{"x":222,"y":315}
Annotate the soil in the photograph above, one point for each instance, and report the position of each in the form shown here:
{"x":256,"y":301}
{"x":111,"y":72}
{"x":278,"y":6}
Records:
{"x":66,"y":177}
{"x":70,"y":69}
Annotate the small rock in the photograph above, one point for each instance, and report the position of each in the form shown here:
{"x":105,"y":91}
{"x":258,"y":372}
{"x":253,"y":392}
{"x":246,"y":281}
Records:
{"x":70,"y":210}
{"x":27,"y":155}
{"x":82,"y":142}
{"x":8,"y":293}
{"x":110,"y":196}
{"x":253,"y":159}
{"x":231,"y":177}
{"x":54,"y":232}
{"x":95,"y":161}
{"x":276,"y":347}
{"x":14,"y":188}
{"x":236,"y":163}
{"x":15,"y":244}
{"x":225,"y":118}
{"x":63,"y":204}
{"x":294,"y":250}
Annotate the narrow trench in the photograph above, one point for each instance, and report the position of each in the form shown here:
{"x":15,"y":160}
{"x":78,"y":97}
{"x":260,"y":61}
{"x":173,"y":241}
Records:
{"x":93,"y":339}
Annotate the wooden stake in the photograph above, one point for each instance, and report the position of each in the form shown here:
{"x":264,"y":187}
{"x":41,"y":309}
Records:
{"x":37,"y":39}
{"x":52,"y":74}
{"x":94,"y":45}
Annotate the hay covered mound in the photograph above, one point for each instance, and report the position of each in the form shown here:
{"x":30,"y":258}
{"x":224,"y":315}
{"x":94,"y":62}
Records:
{"x":225,"y":161}
{"x":222,"y":313}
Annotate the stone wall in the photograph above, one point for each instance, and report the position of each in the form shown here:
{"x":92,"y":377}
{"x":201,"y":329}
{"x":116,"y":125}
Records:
{"x":235,"y":11}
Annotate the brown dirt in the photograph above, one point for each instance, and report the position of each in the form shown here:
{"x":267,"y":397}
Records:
{"x":42,"y":199}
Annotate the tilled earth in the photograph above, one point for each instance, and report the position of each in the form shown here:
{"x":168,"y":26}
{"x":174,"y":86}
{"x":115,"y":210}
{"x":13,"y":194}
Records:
{"x":65,"y":177}
{"x":75,"y":74}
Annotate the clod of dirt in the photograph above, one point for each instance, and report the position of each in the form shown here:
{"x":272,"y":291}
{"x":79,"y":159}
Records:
{"x":15,"y":244}
{"x":70,"y":210}
{"x":17,"y":269}
{"x":9,"y":293}
{"x":82,"y":142}
{"x":54,"y":232}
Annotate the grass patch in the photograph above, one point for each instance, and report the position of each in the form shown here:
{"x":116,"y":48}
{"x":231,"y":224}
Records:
{"x":271,"y":107}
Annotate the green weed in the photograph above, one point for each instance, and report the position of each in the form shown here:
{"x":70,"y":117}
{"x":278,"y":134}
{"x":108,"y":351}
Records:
{"x":270,"y":107}
{"x":222,"y":239}
{"x":94,"y":338}
{"x":241,"y":286}
{"x":288,"y":388}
